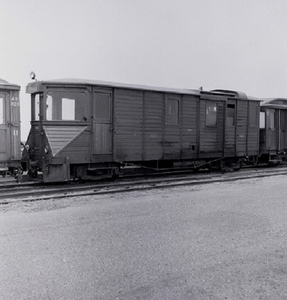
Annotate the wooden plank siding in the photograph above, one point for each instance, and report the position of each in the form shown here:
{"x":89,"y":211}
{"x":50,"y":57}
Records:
{"x":78,"y":150}
{"x":15,"y":130}
{"x":283,"y":130}
{"x":128,"y":124}
{"x":253,"y":128}
{"x":9,"y":126}
{"x":172,"y":132}
{"x":272,"y":129}
{"x":141,"y":132}
{"x":253,"y":141}
{"x":230,"y":128}
{"x":189,"y":121}
{"x":211,"y":137}
{"x":102,"y":142}
{"x":229,"y":149}
{"x":61,"y":137}
{"x":153,"y":125}
{"x":242,"y":128}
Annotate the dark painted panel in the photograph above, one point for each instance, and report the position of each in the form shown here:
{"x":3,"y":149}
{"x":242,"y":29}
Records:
{"x":128,"y":125}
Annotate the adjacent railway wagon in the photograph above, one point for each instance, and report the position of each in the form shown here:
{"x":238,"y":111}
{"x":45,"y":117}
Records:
{"x":83,"y":129}
{"x":10,"y":140}
{"x":273,"y":130}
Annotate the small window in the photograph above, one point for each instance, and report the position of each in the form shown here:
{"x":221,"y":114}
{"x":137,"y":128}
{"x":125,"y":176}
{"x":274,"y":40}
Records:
{"x":49,"y":108}
{"x":68,"y":109}
{"x":211,"y":114}
{"x":262,"y":120}
{"x":2,"y":110}
{"x":230,"y":114}
{"x":103,"y":109}
{"x":171,"y":112}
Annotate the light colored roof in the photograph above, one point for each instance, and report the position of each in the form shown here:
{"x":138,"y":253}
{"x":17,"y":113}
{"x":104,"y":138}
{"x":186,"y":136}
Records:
{"x":75,"y":81}
{"x":275,"y":103}
{"x":8,"y":86}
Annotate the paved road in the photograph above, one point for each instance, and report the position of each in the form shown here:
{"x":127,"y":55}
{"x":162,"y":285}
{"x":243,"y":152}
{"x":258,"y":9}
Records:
{"x":216,"y":241}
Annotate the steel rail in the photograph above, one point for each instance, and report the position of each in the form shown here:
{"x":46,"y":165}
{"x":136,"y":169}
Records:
{"x":67,"y":191}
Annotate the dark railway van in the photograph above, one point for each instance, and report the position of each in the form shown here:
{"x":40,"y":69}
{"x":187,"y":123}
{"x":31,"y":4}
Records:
{"x":84,"y":129}
{"x":229,"y":127}
{"x":10,"y":139}
{"x":273,"y":131}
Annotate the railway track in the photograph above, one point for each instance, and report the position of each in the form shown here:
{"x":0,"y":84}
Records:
{"x":12,"y":192}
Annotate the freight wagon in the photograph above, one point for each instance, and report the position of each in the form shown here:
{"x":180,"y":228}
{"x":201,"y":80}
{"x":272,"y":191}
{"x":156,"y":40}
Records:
{"x":85,"y":128}
{"x":10,"y":138}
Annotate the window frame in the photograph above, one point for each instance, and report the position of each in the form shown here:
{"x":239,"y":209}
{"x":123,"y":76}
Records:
{"x":230,"y":120}
{"x":97,"y":100}
{"x":172,"y":118}
{"x":262,"y":120}
{"x":57,"y":110}
{"x":209,"y":122}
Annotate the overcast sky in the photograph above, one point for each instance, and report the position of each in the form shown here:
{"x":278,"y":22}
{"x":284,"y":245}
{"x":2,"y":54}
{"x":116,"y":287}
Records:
{"x":227,"y":44}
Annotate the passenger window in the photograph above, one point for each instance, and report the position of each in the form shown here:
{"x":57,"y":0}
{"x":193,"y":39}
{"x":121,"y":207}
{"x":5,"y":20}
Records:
{"x":230,"y":114}
{"x":211,"y":114}
{"x":68,"y":109}
{"x":66,"y":106}
{"x":2,"y":110}
{"x":262,"y":120}
{"x":171,"y":112}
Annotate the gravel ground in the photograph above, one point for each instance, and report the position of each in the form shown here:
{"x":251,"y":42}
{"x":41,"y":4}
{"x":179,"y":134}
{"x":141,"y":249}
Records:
{"x":214,"y":241}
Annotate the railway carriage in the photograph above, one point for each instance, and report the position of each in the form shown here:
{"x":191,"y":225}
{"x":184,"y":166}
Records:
{"x":273,"y":130}
{"x":84,"y":128}
{"x":229,"y":125}
{"x":10,"y":139}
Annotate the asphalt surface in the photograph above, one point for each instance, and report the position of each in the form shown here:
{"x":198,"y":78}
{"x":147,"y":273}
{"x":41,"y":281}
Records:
{"x":215,"y":241}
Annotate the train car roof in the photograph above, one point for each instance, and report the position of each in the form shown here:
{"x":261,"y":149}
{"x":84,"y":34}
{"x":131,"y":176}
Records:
{"x":280,"y":103}
{"x":75,"y":81}
{"x":5,"y":85}
{"x":34,"y":87}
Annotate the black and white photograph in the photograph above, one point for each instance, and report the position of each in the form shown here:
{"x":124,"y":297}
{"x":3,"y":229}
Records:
{"x":143,"y":150}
